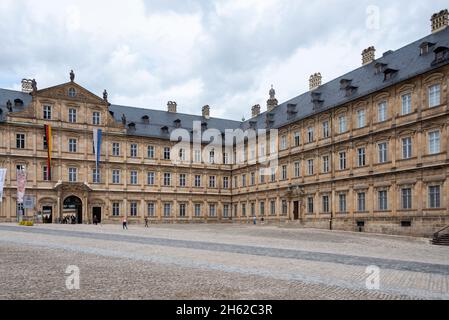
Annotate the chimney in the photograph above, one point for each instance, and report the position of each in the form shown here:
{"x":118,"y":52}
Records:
{"x":27,"y":85}
{"x":315,"y":81}
{"x":368,"y":55}
{"x":206,"y":112}
{"x":255,"y":110}
{"x":440,"y":21}
{"x":172,"y":107}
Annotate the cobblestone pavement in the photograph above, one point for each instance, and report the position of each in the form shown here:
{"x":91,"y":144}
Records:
{"x":216,"y":262}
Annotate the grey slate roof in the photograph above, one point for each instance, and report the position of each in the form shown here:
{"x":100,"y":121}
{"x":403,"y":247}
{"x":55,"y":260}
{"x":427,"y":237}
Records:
{"x":407,"y":61}
{"x":11,"y":95}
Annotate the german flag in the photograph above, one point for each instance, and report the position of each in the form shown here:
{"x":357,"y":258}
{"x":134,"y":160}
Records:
{"x":48,"y":137}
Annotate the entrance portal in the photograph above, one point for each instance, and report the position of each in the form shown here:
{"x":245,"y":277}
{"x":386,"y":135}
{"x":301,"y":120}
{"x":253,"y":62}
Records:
{"x":296,"y":210}
{"x":73,"y":210}
{"x":47,"y":214}
{"x":96,"y":212}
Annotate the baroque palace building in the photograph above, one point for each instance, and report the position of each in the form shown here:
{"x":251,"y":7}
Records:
{"x":367,"y":151}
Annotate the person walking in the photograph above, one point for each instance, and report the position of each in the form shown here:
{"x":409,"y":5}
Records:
{"x":95,"y":220}
{"x":125,"y":224}
{"x":255,"y":220}
{"x":146,"y":222}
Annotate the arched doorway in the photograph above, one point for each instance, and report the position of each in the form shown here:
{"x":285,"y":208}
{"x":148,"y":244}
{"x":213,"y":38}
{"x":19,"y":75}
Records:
{"x":73,"y":207}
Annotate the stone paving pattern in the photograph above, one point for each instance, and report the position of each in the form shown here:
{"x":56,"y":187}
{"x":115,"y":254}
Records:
{"x":216,"y":262}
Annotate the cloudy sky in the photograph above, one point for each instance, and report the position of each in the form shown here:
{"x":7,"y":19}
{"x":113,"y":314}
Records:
{"x":225,"y":53}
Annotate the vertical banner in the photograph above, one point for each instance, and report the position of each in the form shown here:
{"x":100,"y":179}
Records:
{"x":98,"y":136}
{"x":49,"y":138}
{"x":2,"y":182}
{"x":21,"y":185}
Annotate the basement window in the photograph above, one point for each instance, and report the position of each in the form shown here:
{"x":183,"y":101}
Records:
{"x":406,"y":224}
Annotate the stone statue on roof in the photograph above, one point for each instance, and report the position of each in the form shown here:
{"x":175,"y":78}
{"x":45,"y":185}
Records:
{"x":72,"y":76}
{"x":105,"y":95}
{"x":124,"y":119}
{"x":34,"y":85}
{"x":9,"y":106}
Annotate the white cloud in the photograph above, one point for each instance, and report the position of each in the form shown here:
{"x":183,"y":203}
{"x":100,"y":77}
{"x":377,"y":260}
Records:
{"x":225,"y":53}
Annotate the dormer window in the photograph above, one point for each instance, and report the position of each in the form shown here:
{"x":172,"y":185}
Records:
{"x":316,"y":100}
{"x":164,"y":129}
{"x":389,"y":74}
{"x":72,"y":93}
{"x":344,"y":83}
{"x":441,"y":55}
{"x":177,"y":123}
{"x":379,"y":68}
{"x":425,"y":48}
{"x":253,"y":124}
{"x":146,"y":119}
{"x":18,"y":103}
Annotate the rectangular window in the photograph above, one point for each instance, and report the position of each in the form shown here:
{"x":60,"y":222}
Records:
{"x":150,"y":152}
{"x":212,"y":181}
{"x":342,"y":160}
{"x":72,"y":145}
{"x":96,"y":118}
{"x":383,"y":200}
{"x":383,"y":152}
{"x":273,"y":208}
{"x":297,"y":139}
{"x":244,"y":180}
{"x":297,"y":169}
{"x":212,"y":210}
{"x":283,"y":142}
{"x":225,"y":182}
{"x":361,"y":157}
{"x":243,"y":210}
{"x":434,"y":142}
{"x":45,"y":176}
{"x":361,"y":202}
{"x":151,"y":178}
{"x":382,"y":111}
{"x":183,"y":155}
{"x":182,"y":180}
{"x":361,"y":119}
{"x":273,"y":174}
{"x":226,"y":158}
{"x":406,"y":196}
{"x":116,"y":209}
{"x":284,"y":172}
{"x":47,"y":113}
{"x":115,"y":176}
{"x":73,"y":174}
{"x":167,"y":153}
{"x":310,"y":167}
{"x":151,"y":211}
{"x":72,"y":115}
{"x":20,"y":141}
{"x":326,"y":165}
{"x":133,"y":209}
{"x":133,"y":150}
{"x":133,"y":176}
{"x":182,"y":210}
{"x":167,"y":179}
{"x":197,"y":181}
{"x":96,"y":175}
{"x":284,"y":207}
{"x":262,"y":175}
{"x":197,"y":210}
{"x":116,"y":149}
{"x":253,"y":178}
{"x":342,"y":202}
{"x":326,"y":131}
{"x":434,"y":96}
{"x":262,"y":208}
{"x":406,"y":104}
{"x":167,"y":210}
{"x":326,"y":208}
{"x":226,"y":211}
{"x":310,"y":137}
{"x":434,"y":197}
{"x":342,"y":125}
{"x":406,"y":148}
{"x":310,"y":205}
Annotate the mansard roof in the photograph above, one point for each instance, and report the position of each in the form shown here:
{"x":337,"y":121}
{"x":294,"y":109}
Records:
{"x":407,"y":61}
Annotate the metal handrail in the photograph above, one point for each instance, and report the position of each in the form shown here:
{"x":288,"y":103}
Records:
{"x":437,"y":234}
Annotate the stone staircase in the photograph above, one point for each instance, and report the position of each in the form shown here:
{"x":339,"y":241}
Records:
{"x":441,"y":238}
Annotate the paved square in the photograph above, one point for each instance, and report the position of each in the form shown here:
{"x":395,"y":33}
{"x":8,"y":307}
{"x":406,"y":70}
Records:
{"x":216,"y":262}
